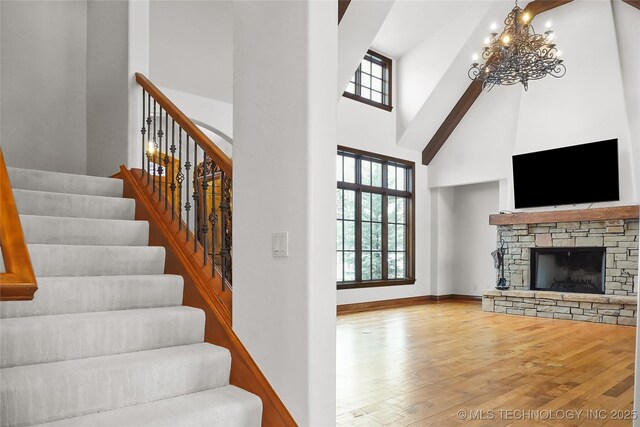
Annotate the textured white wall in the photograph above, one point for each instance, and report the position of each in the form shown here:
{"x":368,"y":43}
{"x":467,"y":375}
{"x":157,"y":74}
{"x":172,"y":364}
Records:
{"x":107,"y":86}
{"x":442,"y":259}
{"x":191,"y":47}
{"x":474,"y":239}
{"x":43,"y":84}
{"x":284,"y":180}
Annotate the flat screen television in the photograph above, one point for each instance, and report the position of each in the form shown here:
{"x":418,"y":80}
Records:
{"x":585,"y":173}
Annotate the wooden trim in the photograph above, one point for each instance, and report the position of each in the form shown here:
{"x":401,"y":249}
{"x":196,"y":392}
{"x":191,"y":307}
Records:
{"x":472,"y":93}
{"x":375,"y":283}
{"x":367,"y":101}
{"x":212,"y":150}
{"x":18,"y":282}
{"x":343,"y":5}
{"x":597,"y":214}
{"x":375,"y":156}
{"x":404,"y":302}
{"x":409,"y":194}
{"x":199,"y":292}
{"x":634,"y":3}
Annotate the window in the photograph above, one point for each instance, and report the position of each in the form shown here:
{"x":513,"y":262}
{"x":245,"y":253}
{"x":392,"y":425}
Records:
{"x":371,"y":82}
{"x":375,"y":233}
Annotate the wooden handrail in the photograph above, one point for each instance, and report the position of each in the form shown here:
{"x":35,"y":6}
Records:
{"x":212,"y":150}
{"x":18,"y":282}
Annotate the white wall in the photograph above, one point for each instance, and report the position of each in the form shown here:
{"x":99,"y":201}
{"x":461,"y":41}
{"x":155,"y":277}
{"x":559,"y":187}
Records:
{"x":284,"y":180}
{"x":419,"y":73}
{"x":474,"y":239}
{"x":43,"y":84}
{"x":191,"y":47}
{"x":215,"y":113}
{"x":441,"y":257}
{"x":107,"y":86}
{"x":372,"y":129}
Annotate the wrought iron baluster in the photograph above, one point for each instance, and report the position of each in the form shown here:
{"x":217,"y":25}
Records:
{"x":155,"y":144}
{"x":224,"y":211}
{"x":173,"y":169}
{"x":205,"y":224}
{"x":166,"y":161}
{"x":146,"y":151}
{"x":187,"y":205}
{"x":213,"y":218}
{"x":143,"y":131}
{"x":180,"y":178}
{"x":195,"y":196}
{"x":159,"y":157}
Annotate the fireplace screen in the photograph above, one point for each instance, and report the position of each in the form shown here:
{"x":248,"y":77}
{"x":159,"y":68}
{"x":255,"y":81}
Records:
{"x":568,"y":269}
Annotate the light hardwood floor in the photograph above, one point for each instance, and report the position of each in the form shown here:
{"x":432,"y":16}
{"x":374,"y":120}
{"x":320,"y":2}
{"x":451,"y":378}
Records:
{"x":421,"y":365}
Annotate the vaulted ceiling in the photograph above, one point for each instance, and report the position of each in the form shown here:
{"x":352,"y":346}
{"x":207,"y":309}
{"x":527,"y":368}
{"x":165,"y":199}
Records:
{"x":433,"y":41}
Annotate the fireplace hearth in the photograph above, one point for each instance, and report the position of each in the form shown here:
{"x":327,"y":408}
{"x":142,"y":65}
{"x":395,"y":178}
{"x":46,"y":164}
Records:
{"x":578,"y":270}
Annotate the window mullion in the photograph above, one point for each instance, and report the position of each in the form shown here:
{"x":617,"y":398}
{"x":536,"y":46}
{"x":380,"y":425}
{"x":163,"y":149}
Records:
{"x":358,"y":223}
{"x":385,"y":224}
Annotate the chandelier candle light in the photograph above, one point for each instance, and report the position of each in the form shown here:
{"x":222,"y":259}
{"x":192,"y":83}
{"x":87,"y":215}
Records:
{"x":518,"y":54}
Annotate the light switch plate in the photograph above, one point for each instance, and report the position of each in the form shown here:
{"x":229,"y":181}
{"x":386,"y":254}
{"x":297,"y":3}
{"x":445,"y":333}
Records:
{"x":280,"y":244}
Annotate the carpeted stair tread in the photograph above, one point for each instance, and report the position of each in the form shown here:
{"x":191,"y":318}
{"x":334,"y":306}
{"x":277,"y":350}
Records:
{"x":31,"y":202}
{"x":29,"y":179}
{"x":81,"y":294}
{"x":43,"y":339}
{"x":227,"y":406}
{"x":106,"y":340}
{"x":52,"y":391}
{"x":88,"y":260}
{"x":84,"y":231}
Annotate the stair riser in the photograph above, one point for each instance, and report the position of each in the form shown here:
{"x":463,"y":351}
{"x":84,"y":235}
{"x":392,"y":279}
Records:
{"x":62,"y":260}
{"x":52,"y":391}
{"x":64,"y":183}
{"x":79,"y":231}
{"x":68,"y":295}
{"x":43,"y":339}
{"x":223,"y":407}
{"x":74,"y":206}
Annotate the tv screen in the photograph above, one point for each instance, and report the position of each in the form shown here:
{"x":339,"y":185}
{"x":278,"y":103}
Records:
{"x":585,"y":173}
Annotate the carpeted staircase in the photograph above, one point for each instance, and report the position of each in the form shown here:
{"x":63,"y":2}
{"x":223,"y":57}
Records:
{"x":106,"y":340}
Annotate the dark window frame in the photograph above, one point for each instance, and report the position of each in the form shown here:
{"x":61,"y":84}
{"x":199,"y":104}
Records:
{"x":387,"y":82}
{"x":359,"y":188}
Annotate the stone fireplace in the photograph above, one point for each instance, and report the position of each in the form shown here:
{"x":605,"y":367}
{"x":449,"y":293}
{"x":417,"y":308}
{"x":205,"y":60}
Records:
{"x":577,"y":264}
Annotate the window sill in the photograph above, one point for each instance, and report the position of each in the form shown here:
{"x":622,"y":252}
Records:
{"x":375,"y":284}
{"x":367,"y":101}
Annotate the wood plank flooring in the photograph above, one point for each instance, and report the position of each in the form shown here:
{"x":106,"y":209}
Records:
{"x":421,"y":365}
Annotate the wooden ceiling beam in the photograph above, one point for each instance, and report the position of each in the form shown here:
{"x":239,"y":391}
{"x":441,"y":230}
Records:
{"x":342,"y":8}
{"x":473,"y":91}
{"x":634,"y":3}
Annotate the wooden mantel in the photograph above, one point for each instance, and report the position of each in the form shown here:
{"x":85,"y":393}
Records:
{"x":597,"y":214}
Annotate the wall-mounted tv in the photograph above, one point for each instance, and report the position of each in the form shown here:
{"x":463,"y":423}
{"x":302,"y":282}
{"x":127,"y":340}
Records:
{"x":585,"y":173}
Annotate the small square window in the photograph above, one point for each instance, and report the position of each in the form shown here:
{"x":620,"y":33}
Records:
{"x":371,"y":83}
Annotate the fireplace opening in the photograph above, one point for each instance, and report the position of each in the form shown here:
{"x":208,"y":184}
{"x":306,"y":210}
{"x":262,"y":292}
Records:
{"x":568,"y":270}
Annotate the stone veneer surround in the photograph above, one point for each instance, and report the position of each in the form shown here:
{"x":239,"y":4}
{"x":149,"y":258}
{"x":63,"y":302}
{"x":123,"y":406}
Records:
{"x":619,"y":303}
{"x":619,"y":237}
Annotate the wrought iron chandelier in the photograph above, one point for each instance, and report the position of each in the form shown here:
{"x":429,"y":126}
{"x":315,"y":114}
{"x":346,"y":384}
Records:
{"x":518,"y":54}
